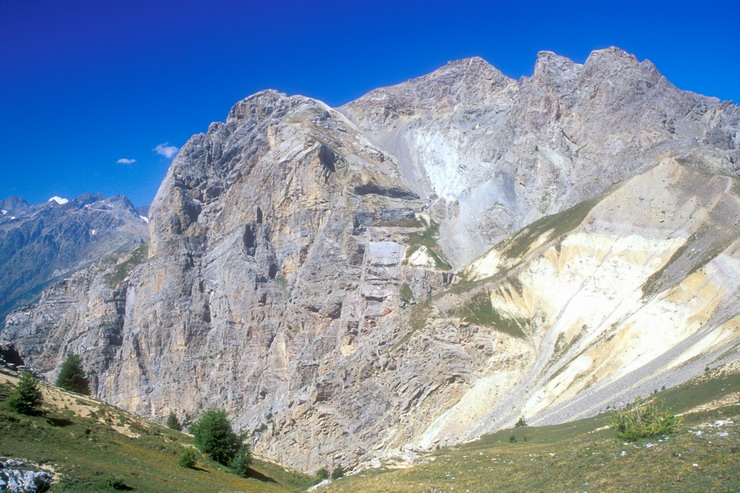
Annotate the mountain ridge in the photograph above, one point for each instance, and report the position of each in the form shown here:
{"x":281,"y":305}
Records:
{"x":41,"y":242}
{"x":299,"y":267}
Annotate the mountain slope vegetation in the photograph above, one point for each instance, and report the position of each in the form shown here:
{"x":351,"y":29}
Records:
{"x":85,"y":442}
{"x":586,"y":455}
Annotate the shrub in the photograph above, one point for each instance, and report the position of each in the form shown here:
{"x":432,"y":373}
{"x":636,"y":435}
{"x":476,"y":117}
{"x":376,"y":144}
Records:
{"x":213,"y":436}
{"x":116,"y":483}
{"x":512,"y":439}
{"x":642,"y":421}
{"x":72,"y":376}
{"x":337,"y":473}
{"x":188,"y":459}
{"x":173,"y":422}
{"x":407,"y":296}
{"x":26,"y":398}
{"x":242,"y":460}
{"x":521,"y":422}
{"x":322,"y":474}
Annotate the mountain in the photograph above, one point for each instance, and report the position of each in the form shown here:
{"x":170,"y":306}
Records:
{"x":423,"y":265}
{"x":42,"y":242}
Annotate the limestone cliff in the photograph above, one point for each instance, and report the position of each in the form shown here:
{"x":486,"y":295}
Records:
{"x":424,"y":264}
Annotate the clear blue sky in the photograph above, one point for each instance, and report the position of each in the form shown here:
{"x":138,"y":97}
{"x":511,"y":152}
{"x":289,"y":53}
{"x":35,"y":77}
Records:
{"x":86,"y":83}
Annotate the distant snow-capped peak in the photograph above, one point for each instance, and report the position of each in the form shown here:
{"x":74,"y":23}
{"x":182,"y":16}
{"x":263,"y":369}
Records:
{"x":58,"y":200}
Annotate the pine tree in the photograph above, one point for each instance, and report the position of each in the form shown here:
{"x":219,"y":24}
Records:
{"x":212,"y":434}
{"x":173,"y":422}
{"x":72,"y":376}
{"x":26,"y":398}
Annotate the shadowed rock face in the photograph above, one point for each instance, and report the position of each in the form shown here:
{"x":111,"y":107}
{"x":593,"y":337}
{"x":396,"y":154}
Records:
{"x":298,"y":272}
{"x":42,"y":242}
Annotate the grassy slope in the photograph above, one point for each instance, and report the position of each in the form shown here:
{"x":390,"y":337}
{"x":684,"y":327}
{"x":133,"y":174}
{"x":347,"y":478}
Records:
{"x":85,"y":449}
{"x":584,"y":456}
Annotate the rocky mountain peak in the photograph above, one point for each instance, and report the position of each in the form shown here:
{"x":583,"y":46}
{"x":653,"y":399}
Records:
{"x":14,"y":204}
{"x":550,"y":66}
{"x":615,"y":62}
{"x":460,"y":83}
{"x":472,"y":67}
{"x":612,"y":56}
{"x":264,"y":105}
{"x":88,"y":198}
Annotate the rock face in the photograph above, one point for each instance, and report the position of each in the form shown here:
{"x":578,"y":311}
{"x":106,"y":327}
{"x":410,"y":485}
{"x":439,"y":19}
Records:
{"x":422,"y":265}
{"x":497,"y":154}
{"x":43,"y":242}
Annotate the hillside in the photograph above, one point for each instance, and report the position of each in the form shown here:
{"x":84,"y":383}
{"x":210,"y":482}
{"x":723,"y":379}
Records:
{"x":585,"y":455}
{"x":84,"y":441}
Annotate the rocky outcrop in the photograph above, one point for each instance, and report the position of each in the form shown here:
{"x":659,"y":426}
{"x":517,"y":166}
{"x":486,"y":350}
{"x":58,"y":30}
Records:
{"x":9,"y":357}
{"x":422,"y":265}
{"x":13,"y":479}
{"x":43,"y":242}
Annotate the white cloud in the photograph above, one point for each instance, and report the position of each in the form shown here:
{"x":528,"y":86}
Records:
{"x":166,"y":150}
{"x":125,"y":160}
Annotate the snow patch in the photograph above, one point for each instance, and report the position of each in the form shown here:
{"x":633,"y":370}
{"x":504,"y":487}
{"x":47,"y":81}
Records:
{"x":4,"y":212}
{"x":58,"y":200}
{"x":145,"y":219}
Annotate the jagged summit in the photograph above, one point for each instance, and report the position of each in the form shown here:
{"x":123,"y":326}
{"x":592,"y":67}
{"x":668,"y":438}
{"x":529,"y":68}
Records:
{"x":550,"y":66}
{"x":14,"y":204}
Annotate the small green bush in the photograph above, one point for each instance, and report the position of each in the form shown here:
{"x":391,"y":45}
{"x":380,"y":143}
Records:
{"x":240,"y":463}
{"x":322,"y":474}
{"x":337,"y":473}
{"x":407,"y":296}
{"x":26,"y":398}
{"x":188,"y":459}
{"x":521,"y":422}
{"x":116,"y":483}
{"x":512,"y":439}
{"x":643,"y":421}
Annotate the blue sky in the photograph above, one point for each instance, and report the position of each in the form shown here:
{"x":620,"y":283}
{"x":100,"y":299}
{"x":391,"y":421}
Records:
{"x":84,"y":84}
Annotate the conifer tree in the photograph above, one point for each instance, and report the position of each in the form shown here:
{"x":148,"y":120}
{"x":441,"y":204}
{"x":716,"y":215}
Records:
{"x":72,"y":376}
{"x":26,"y":398}
{"x":212,"y":434}
{"x":173,"y":422}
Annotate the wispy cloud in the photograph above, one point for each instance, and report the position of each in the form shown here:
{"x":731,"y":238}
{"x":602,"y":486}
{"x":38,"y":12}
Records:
{"x":166,"y":150}
{"x":125,"y":160}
